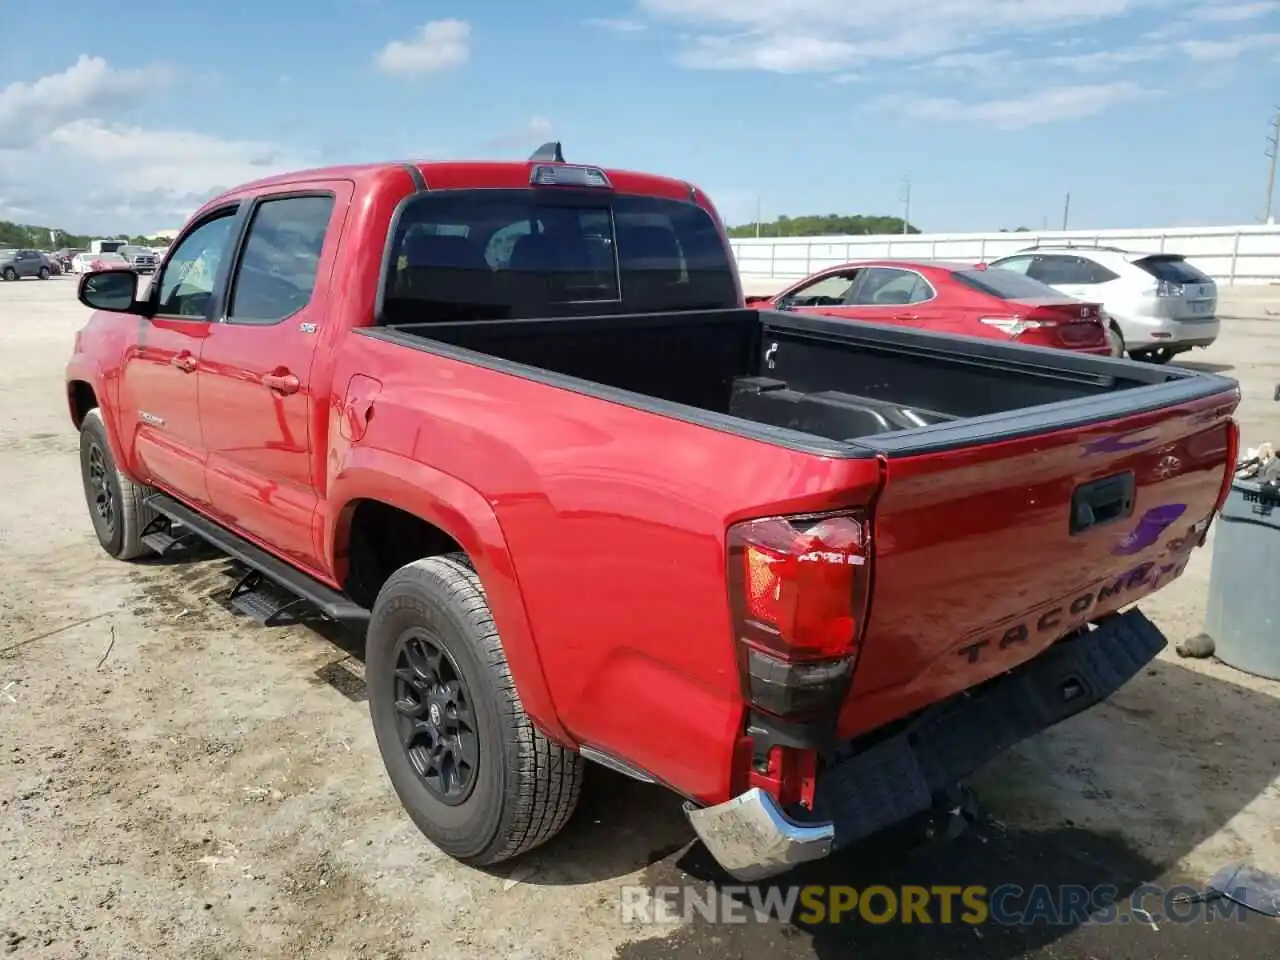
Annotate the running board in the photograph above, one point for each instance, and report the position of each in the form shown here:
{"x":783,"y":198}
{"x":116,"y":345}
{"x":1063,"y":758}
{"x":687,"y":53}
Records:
{"x":324,"y":598}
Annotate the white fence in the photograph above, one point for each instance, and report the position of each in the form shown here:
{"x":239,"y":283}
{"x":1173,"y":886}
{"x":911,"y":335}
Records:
{"x":1231,"y":255}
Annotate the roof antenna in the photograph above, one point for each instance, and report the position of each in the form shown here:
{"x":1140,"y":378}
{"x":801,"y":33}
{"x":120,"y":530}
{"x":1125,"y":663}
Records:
{"x":548,"y":153}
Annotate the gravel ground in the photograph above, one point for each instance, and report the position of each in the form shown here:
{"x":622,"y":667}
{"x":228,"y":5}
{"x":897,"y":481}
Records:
{"x":176,"y":781}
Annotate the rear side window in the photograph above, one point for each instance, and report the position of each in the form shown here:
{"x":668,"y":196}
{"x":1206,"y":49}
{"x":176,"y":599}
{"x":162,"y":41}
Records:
{"x":1056,"y":268}
{"x":1006,"y":284}
{"x":1172,"y":269}
{"x":517,"y":254}
{"x":277,"y":271}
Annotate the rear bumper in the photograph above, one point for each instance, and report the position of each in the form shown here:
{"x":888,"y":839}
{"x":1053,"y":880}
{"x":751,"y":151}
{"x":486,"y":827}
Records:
{"x":898,"y":778}
{"x":1140,"y":332}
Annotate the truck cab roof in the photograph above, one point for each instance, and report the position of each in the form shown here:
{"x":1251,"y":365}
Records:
{"x":462,"y":174}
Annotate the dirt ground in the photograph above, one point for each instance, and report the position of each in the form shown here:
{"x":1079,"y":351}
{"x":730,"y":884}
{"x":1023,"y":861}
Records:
{"x":176,"y":781}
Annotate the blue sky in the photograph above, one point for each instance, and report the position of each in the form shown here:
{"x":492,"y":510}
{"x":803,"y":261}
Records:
{"x":1150,"y":112}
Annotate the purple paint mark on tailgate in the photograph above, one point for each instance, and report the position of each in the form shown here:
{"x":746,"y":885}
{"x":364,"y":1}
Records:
{"x":1152,"y":524}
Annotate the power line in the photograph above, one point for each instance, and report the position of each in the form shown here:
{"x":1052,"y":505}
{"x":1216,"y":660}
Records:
{"x":1273,"y":142}
{"x":905,"y":196}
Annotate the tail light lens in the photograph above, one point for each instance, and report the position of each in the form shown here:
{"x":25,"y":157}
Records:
{"x":1167,"y":288}
{"x":1233,"y":457}
{"x":1046,"y":326}
{"x":798,"y":589}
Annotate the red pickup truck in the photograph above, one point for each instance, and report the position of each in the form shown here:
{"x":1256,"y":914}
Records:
{"x":515,"y":422}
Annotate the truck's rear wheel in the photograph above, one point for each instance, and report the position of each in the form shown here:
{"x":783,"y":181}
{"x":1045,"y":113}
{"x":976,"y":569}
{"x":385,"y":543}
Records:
{"x":116,"y":504}
{"x":467,"y":763}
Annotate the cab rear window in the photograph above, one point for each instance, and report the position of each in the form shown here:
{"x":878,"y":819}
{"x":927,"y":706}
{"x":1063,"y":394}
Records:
{"x":517,"y":254}
{"x":1006,"y":284}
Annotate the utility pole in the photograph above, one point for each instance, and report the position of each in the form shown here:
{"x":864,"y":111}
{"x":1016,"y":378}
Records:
{"x":757,"y":216}
{"x":1066,"y":209}
{"x":905,"y":196}
{"x":1273,"y":144}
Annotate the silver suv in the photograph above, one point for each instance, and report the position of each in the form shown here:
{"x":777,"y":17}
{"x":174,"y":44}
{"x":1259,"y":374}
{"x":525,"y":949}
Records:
{"x":1159,"y":304}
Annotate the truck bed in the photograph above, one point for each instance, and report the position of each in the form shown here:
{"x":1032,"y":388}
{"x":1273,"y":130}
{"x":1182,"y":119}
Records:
{"x":823,"y":385}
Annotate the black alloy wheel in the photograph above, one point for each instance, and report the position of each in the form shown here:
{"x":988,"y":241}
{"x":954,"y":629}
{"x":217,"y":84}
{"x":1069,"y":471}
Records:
{"x":437,"y":727}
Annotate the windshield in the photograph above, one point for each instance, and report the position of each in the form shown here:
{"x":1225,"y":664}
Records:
{"x":515,"y":254}
{"x":8,"y":254}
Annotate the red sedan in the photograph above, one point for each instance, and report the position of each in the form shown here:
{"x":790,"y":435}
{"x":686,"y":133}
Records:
{"x":975,"y":301}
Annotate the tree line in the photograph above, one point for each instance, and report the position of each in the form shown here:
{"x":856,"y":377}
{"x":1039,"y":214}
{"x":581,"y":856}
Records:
{"x":824,"y":225}
{"x":833,"y":225}
{"x":38,"y":238}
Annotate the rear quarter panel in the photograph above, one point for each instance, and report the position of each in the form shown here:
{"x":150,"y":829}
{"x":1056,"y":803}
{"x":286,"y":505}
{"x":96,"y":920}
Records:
{"x":608,"y":552}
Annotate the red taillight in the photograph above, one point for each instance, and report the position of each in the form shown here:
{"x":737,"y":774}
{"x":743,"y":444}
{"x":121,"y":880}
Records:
{"x":1233,"y":456}
{"x":798,"y":586}
{"x":1073,"y":325}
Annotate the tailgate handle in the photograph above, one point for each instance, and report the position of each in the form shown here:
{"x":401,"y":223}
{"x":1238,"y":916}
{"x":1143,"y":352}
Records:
{"x":1102,"y":501}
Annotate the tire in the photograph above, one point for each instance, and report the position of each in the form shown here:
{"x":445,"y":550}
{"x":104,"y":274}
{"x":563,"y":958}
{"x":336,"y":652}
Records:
{"x":522,"y":788}
{"x":118,"y":524}
{"x":1116,"y":339}
{"x":44,"y":273}
{"x":10,"y":273}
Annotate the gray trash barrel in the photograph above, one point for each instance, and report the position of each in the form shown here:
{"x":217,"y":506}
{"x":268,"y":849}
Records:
{"x":1243,"y":615}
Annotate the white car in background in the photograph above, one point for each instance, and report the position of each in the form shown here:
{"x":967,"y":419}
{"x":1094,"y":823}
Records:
{"x":83,"y":263}
{"x":1159,"y":304}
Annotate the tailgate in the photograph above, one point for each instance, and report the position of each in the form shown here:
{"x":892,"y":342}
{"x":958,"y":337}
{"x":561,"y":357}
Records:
{"x":987,"y":553}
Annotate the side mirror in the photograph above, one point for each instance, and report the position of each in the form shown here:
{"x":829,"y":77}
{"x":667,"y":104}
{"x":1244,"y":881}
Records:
{"x":757,"y":299}
{"x":113,"y":290}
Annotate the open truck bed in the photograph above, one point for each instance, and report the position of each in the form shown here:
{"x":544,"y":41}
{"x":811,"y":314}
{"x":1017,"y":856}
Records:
{"x":825,"y":386}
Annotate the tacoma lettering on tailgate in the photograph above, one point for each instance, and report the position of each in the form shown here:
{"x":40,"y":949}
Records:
{"x":1061,"y":619}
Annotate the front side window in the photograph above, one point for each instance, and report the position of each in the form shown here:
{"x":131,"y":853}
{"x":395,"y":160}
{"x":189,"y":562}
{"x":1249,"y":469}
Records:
{"x":828,"y":291}
{"x":518,"y":254}
{"x":186,"y":286}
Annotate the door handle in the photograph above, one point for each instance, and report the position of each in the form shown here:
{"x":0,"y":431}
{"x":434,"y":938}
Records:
{"x":1102,"y":501}
{"x":906,"y":316}
{"x":281,"y":382}
{"x":184,"y":361}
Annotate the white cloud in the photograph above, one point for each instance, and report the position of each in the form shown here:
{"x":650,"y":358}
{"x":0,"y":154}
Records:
{"x":764,"y":34}
{"x":527,"y":136}
{"x":68,"y":161}
{"x":438,"y":47}
{"x":1047,"y":105}
{"x":89,"y":87}
{"x":782,"y":54}
{"x":1220,"y":50}
{"x":1100,"y":61}
{"x":1235,"y":12}
{"x":183,"y":162}
{"x":617,"y":25}
{"x":113,"y":177}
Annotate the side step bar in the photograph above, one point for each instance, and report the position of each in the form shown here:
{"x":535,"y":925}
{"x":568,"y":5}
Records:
{"x":324,"y":598}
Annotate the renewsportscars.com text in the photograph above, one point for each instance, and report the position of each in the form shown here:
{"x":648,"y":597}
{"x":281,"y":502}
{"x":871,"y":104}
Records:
{"x":1069,"y":905}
